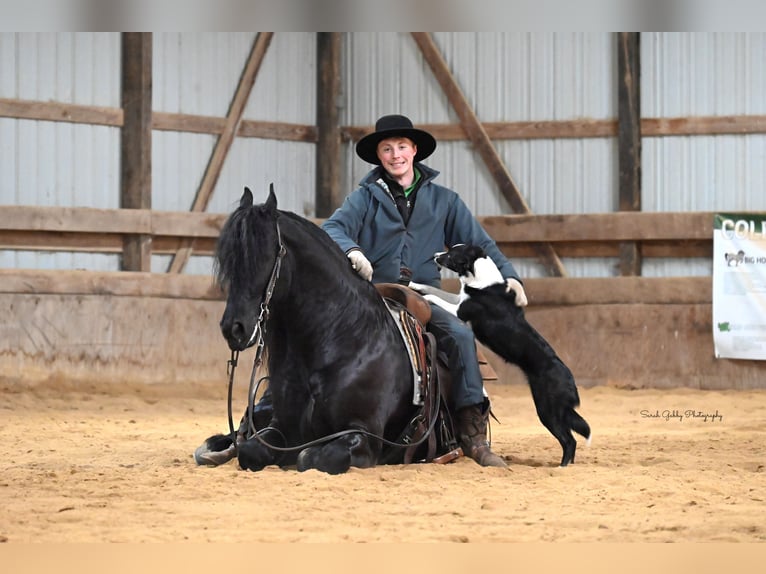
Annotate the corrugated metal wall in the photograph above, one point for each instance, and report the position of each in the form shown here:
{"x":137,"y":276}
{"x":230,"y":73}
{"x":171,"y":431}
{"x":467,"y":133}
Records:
{"x":702,"y":74}
{"x":506,"y":76}
{"x":57,"y":163}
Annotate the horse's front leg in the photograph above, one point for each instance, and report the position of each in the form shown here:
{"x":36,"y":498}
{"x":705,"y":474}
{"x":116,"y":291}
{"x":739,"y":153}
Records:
{"x":337,"y":456}
{"x":216,"y":450}
{"x":255,"y":454}
{"x":219,"y":449}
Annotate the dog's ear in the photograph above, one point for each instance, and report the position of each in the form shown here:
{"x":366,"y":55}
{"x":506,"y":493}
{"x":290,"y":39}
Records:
{"x":475,"y":252}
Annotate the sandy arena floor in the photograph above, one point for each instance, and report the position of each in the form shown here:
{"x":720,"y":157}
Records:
{"x":115,"y":465}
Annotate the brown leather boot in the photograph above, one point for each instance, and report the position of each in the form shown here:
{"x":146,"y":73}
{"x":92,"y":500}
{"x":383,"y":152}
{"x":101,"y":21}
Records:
{"x":472,"y":434}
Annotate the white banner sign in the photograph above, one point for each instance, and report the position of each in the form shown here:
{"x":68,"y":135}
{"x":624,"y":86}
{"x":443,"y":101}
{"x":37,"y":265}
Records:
{"x":739,"y":285}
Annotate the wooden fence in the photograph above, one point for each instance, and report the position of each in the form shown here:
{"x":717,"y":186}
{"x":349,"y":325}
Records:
{"x":657,"y":235}
{"x":128,"y":326}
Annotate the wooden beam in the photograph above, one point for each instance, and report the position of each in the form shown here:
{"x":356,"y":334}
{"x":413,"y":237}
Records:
{"x":112,"y":243}
{"x":546,"y":291}
{"x":629,"y":140}
{"x":578,"y":129}
{"x":136,"y":143}
{"x":75,"y":219}
{"x":188,"y":123}
{"x":550,"y":129}
{"x":106,"y":242}
{"x":221,"y":150}
{"x":480,"y":140}
{"x":582,"y":128}
{"x":606,"y":250}
{"x":92,"y":230}
{"x":703,"y":126}
{"x":621,"y":290}
{"x":589,"y":128}
{"x":556,"y":291}
{"x":106,"y":283}
{"x":620,"y":226}
{"x":59,"y":112}
{"x":120,"y":221}
{"x":328,"y":148}
{"x":629,"y":120}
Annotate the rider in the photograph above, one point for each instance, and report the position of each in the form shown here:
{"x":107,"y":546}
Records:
{"x":390,"y":228}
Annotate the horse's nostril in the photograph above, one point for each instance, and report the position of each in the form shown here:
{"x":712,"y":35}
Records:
{"x":238,"y":330}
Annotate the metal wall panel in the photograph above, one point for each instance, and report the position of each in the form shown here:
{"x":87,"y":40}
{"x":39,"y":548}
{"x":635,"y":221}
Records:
{"x":56,"y":163}
{"x":702,"y":74}
{"x":198,"y":74}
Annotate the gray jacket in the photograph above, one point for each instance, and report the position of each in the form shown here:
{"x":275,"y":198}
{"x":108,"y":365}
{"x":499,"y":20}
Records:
{"x":369,"y":220}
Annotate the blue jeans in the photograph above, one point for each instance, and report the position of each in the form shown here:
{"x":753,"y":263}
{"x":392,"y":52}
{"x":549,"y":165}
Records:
{"x":455,"y":339}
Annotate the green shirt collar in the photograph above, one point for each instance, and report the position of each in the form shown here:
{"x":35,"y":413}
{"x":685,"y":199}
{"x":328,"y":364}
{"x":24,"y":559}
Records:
{"x":409,"y":190}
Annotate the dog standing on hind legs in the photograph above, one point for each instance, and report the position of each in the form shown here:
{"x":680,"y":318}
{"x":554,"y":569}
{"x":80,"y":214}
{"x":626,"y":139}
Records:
{"x":499,"y":323}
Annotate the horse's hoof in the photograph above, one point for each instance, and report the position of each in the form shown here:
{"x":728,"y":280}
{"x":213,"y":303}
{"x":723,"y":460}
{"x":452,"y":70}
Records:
{"x":306,"y":459}
{"x":203,"y":456}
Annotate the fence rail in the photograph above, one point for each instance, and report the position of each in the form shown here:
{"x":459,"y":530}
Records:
{"x":548,"y":291}
{"x":579,"y":235}
{"x":86,"y":229}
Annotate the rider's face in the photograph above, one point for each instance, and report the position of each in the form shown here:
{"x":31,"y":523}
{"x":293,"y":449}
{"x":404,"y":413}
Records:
{"x":397,"y":156}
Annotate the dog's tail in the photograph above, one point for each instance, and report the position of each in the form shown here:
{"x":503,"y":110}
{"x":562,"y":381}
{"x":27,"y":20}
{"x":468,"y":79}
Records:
{"x":579,"y":425}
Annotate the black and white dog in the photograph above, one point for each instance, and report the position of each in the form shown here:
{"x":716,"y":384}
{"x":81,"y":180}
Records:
{"x":499,"y":323}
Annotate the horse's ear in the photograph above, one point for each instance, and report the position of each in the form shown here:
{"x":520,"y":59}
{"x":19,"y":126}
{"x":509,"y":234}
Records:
{"x":247,"y":198}
{"x":271,"y":202}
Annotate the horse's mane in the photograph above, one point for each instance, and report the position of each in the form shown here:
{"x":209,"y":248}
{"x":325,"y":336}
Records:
{"x":237,"y":245}
{"x":249,"y":232}
{"x":317,"y":234}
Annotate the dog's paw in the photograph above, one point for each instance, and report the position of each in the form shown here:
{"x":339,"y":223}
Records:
{"x":513,"y":285}
{"x":439,"y":302}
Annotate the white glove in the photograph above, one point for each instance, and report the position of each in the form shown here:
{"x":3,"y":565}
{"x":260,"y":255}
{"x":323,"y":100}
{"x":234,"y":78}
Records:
{"x":361,"y":264}
{"x":512,"y":284}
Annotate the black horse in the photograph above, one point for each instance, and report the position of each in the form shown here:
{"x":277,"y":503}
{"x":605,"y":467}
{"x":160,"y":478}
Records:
{"x":337,"y":362}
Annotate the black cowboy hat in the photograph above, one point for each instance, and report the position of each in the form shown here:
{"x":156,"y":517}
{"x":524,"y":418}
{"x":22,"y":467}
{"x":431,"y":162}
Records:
{"x":395,"y":126}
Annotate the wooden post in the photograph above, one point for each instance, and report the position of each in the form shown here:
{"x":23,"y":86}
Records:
{"x":328,"y":147}
{"x":629,"y":139}
{"x":479,"y":138}
{"x":136,"y":143}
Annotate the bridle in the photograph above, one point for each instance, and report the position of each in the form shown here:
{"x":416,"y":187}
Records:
{"x":253,"y":387}
{"x":263,"y":316}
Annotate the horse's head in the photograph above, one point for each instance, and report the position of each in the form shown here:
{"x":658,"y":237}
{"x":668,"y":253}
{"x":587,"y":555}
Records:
{"x":246,"y":255}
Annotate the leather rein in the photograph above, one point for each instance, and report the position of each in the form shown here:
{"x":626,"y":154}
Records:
{"x":259,"y":342}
